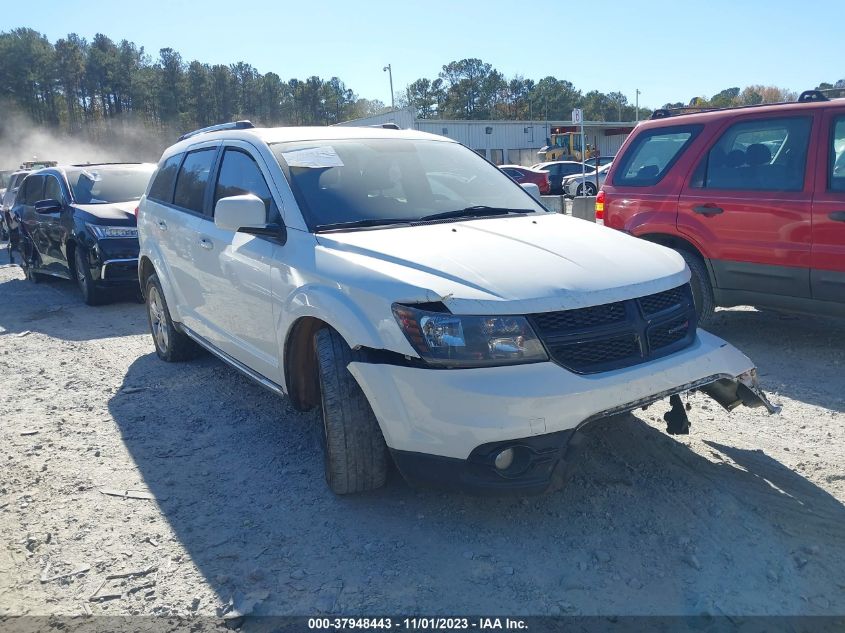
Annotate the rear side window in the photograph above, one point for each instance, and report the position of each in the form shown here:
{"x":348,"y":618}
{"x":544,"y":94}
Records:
{"x":33,"y":190}
{"x":652,"y":154}
{"x":758,"y":155}
{"x":192,"y":179}
{"x":836,"y":178}
{"x":164,"y":179}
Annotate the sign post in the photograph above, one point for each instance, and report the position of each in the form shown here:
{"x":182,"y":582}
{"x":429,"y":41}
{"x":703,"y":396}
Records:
{"x":578,"y":118}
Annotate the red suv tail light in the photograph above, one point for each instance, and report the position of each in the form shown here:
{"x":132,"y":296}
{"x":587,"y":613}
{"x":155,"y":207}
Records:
{"x":600,"y":208}
{"x":136,"y":213}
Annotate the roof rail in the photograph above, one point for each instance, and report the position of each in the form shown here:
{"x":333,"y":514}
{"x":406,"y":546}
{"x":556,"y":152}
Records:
{"x":809,"y":96}
{"x":386,"y":126}
{"x":234,"y":125}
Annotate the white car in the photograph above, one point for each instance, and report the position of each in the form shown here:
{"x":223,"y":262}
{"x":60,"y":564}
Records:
{"x":432,"y":310}
{"x":584,"y":185}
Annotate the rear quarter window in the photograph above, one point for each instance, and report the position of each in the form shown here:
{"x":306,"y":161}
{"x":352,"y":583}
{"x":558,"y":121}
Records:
{"x":652,"y":154}
{"x":164,"y":179}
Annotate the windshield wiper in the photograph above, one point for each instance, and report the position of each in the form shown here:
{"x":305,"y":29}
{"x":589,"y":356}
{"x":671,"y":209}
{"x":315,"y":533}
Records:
{"x":356,"y":224}
{"x":477,"y":211}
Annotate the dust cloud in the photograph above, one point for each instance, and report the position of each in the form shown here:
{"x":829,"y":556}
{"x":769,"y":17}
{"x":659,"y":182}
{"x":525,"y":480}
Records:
{"x":120,"y":140}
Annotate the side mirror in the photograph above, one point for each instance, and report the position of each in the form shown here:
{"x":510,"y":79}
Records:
{"x":533,"y":189}
{"x":48,"y":206}
{"x":246,"y":214}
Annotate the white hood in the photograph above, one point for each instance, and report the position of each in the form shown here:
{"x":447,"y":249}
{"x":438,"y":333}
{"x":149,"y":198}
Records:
{"x":538,"y":262}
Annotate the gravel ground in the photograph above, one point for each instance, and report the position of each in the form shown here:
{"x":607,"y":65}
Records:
{"x":745,"y":516}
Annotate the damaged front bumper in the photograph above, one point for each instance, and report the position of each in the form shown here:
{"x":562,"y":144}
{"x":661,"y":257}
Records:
{"x":446,"y":415}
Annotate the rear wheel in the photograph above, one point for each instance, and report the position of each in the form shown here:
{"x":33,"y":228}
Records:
{"x":171,"y":344}
{"x":702,"y":291}
{"x":353,"y":446}
{"x":90,"y":293}
{"x":28,"y":259}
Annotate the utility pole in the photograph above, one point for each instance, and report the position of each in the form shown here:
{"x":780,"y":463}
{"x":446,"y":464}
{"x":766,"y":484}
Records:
{"x":638,"y":105}
{"x":389,"y":70}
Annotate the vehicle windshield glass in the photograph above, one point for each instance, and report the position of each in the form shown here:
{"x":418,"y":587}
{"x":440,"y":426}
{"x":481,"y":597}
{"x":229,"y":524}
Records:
{"x":4,"y":179}
{"x":369,"y":180}
{"x":102,"y":185}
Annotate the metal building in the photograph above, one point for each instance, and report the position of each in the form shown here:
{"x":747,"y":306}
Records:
{"x":505,"y":142}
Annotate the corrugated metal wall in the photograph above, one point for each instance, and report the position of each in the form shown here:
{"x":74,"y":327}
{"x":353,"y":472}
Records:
{"x":500,"y":141}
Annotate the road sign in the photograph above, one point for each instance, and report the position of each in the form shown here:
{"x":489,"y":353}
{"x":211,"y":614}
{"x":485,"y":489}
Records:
{"x":577,"y":115}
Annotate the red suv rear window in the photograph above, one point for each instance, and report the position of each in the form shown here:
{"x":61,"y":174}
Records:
{"x":652,"y":153}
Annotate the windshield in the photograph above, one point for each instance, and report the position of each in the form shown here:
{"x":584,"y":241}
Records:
{"x":4,"y":178}
{"x":101,"y":185}
{"x":384,"y":181}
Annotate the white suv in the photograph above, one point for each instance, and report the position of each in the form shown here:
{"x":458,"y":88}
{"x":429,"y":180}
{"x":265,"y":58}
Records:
{"x":427,"y":304}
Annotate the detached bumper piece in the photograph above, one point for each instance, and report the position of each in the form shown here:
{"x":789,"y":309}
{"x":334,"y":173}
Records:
{"x":526,"y":466}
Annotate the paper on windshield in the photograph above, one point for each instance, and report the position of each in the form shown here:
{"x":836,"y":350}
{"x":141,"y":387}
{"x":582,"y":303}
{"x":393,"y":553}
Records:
{"x":313,"y":157}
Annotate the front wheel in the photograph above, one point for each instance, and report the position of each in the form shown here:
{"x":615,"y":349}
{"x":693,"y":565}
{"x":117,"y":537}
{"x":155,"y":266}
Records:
{"x":702,"y":291}
{"x":90,"y":293}
{"x":587,"y":189}
{"x":353,"y":446}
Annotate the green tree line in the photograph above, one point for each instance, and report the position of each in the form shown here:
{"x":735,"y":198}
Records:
{"x":75,"y":84}
{"x":474,"y":89}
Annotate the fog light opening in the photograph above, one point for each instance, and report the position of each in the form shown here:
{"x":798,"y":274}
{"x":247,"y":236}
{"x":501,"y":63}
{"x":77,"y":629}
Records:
{"x":504,"y":459}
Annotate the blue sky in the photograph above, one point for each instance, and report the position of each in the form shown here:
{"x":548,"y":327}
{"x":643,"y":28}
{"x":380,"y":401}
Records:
{"x":669,"y":50}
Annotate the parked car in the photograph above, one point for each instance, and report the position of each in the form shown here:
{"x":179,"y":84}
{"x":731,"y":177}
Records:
{"x":9,"y":224}
{"x":584,"y":184}
{"x":523,"y":175}
{"x":599,"y":161}
{"x":78,"y":222}
{"x":753,"y":198}
{"x":449,"y":323}
{"x":558,"y":170}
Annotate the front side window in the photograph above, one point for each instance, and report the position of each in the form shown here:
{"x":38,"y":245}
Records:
{"x":95,"y":184}
{"x":192,"y":179}
{"x":382,"y":180}
{"x":652,"y":153}
{"x":836,"y":176}
{"x":239,"y":175}
{"x":758,"y":155}
{"x":161,"y":188}
{"x":52,"y":189}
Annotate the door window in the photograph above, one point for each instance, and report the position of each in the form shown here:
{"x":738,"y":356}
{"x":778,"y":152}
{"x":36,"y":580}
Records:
{"x":652,"y":153}
{"x":192,"y":179}
{"x":33,"y":188}
{"x":759,"y":155}
{"x":836,"y":177}
{"x":52,"y":189}
{"x":164,"y":179}
{"x":239,"y":175}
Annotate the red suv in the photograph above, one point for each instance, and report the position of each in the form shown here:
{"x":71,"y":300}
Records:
{"x":752,"y":197}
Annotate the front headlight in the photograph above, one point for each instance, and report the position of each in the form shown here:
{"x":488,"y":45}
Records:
{"x":101,"y":231}
{"x":452,"y":340}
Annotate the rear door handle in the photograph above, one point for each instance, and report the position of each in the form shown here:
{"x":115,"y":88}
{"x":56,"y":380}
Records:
{"x":206,"y":244}
{"x":708,"y":210}
{"x":837,"y":216}
{"x":162,"y":225}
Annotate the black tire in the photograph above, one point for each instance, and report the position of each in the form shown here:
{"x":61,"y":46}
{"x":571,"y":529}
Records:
{"x":587,"y":189}
{"x":172,"y":345}
{"x":353,"y":446}
{"x":702,"y":291}
{"x":91,"y":295}
{"x":28,"y":259}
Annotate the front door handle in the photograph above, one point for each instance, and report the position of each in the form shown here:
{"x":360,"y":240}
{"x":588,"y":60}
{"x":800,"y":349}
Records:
{"x":837,"y":216}
{"x":162,"y":225}
{"x":708,"y":210}
{"x":206,"y":244}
